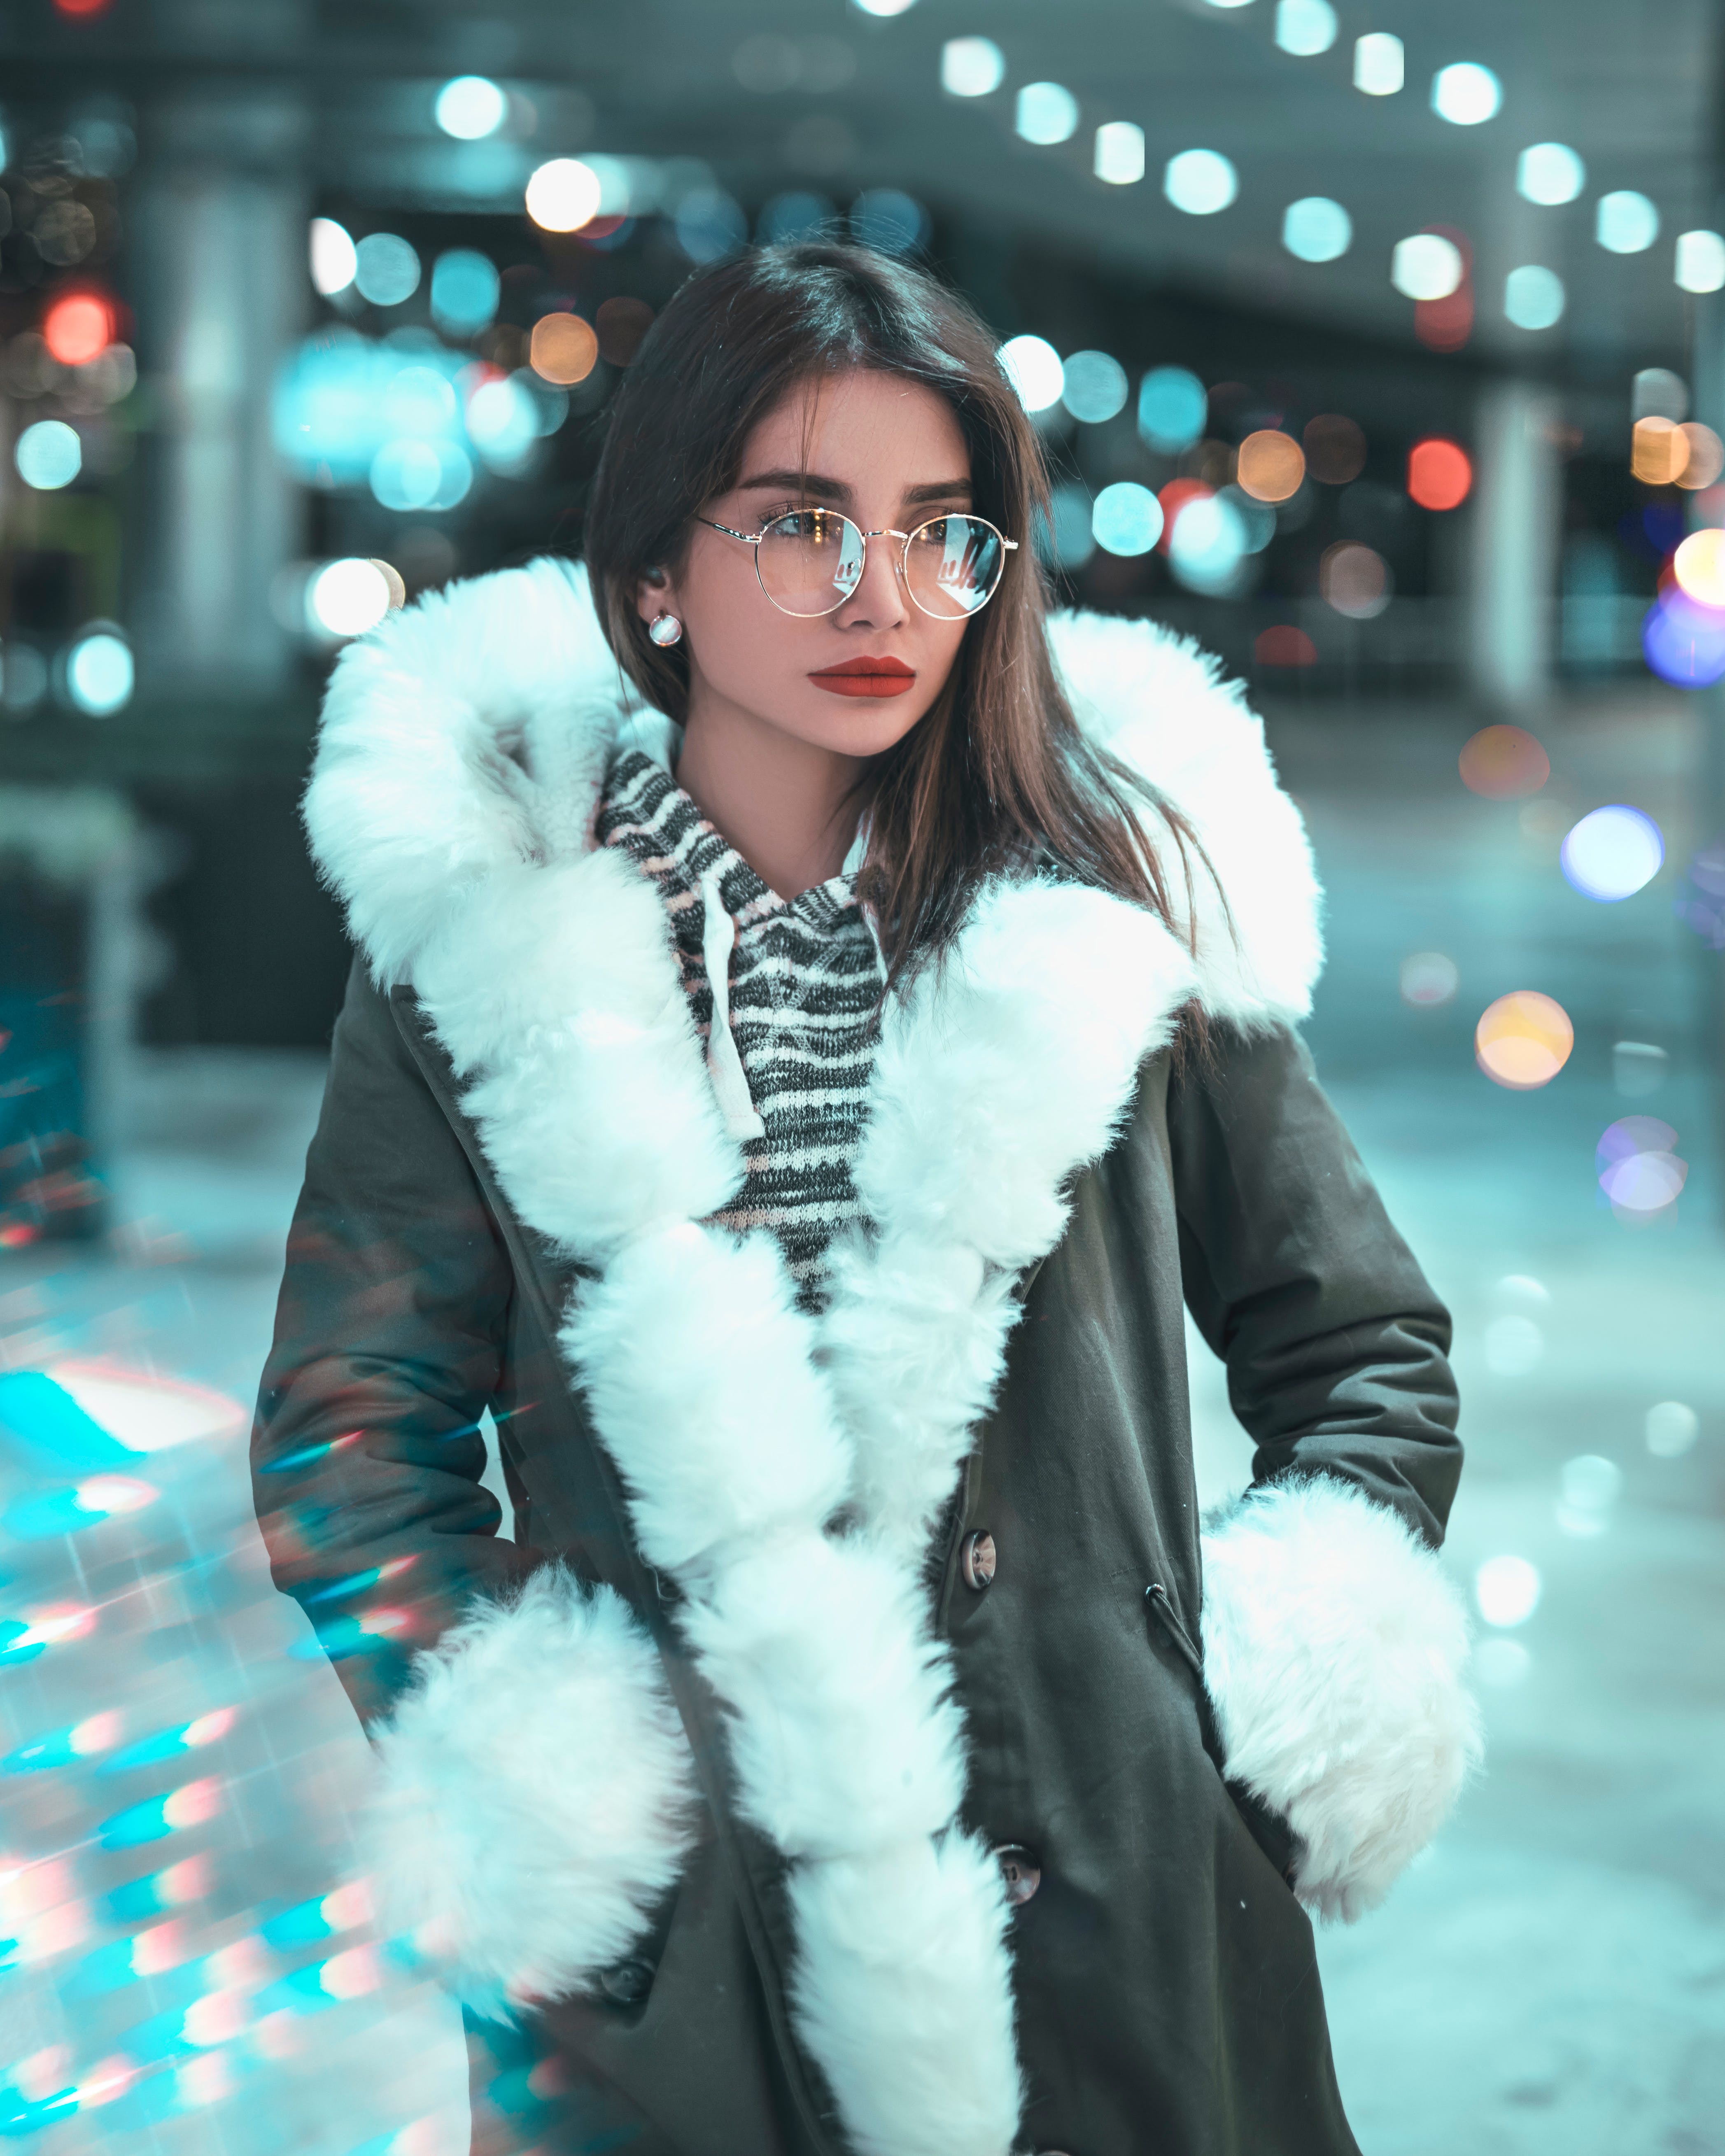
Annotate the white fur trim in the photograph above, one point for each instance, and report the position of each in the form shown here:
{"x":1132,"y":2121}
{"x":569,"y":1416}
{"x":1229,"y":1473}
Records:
{"x":1334,"y":1648}
{"x":785,"y":1472}
{"x":903,"y":1958}
{"x":1158,"y":702}
{"x":535,"y":1795}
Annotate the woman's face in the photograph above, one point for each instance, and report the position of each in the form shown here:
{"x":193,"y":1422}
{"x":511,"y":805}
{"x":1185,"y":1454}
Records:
{"x":890,"y":454}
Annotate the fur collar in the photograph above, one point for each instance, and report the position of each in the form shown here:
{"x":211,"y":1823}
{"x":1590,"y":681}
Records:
{"x":472,"y":730}
{"x":452,"y":806}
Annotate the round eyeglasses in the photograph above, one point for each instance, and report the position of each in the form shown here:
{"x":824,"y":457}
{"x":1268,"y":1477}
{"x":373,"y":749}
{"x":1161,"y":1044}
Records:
{"x":810,"y":560}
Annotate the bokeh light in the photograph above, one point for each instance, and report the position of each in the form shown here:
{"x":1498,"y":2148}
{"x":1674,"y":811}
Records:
{"x":1258,"y":519}
{"x":78,"y":328}
{"x":1670,"y":1428}
{"x":1699,"y":567}
{"x":410,"y":473}
{"x":1355,"y":579}
{"x":972,"y":67}
{"x":1033,"y":367}
{"x":1440,"y":473}
{"x":388,"y":269}
{"x":1625,"y":223}
{"x":1426,"y":266}
{"x":1317,"y":229}
{"x":334,"y":259}
{"x":1466,"y":93}
{"x":1046,"y":113}
{"x":1589,"y":1487}
{"x":1282,"y":644}
{"x":1549,"y":174}
{"x":890,"y":220}
{"x":1379,"y":64}
{"x":1705,"y":459}
{"x":1612,"y":853}
{"x":1126,"y":518}
{"x":1271,"y":465}
{"x":1637,"y":1165}
{"x":1533,"y":297}
{"x":564,"y":348}
{"x":470,"y":107}
{"x":562,"y":195}
{"x":1699,"y":265}
{"x":1429,"y":978}
{"x":1523,"y":1040}
{"x":348,"y":597}
{"x":1206,"y":543}
{"x":1503,"y":762}
{"x":464,"y":288}
{"x":1093,"y":386}
{"x":1119,"y":153}
{"x":48,"y":456}
{"x":710,"y":224}
{"x":1684,"y":642}
{"x":1304,"y":28}
{"x":99,"y":672}
{"x":1067,"y":541}
{"x":1335,"y":448}
{"x":1172,"y":405}
{"x":1200,"y":182}
{"x":1507,"y":1590}
{"x":1657,"y":392}
{"x":1659,"y":450}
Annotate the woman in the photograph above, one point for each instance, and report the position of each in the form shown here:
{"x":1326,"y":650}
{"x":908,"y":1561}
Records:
{"x":814,"y":1021}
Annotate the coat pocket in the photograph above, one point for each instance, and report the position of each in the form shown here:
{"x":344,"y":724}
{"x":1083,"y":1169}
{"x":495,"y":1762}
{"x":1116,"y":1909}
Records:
{"x":1268,"y":1828}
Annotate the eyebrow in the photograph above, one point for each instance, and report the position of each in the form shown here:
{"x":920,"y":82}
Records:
{"x":813,"y":483}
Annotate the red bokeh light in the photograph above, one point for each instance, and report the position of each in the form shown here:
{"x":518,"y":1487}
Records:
{"x":1284,"y":645}
{"x":77,"y":327}
{"x":82,"y":7}
{"x":1440,"y":476}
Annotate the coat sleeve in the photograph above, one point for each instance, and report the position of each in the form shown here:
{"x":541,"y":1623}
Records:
{"x":1336,"y":1346}
{"x":1334,"y":1644}
{"x":390,"y":1334}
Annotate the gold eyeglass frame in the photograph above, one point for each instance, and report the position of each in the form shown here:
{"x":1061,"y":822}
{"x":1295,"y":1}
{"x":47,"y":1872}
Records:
{"x":887,"y":531}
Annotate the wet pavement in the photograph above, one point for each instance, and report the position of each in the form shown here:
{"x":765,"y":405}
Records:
{"x":1551,"y":1979}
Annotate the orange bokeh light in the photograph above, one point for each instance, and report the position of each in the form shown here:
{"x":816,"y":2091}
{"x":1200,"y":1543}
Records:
{"x":1659,"y":452}
{"x":1440,"y":476}
{"x":1503,"y":762}
{"x":78,"y":328}
{"x":1271,"y":465}
{"x":563,"y":349}
{"x":1523,"y":1040}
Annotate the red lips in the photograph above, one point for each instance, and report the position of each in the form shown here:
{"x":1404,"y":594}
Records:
{"x":866,"y":677}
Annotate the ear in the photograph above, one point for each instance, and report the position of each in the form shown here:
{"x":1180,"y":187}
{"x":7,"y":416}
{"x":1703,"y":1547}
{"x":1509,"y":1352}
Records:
{"x":655,"y":593}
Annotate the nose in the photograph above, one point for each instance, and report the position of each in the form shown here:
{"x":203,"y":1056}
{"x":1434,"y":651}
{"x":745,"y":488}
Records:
{"x":879,"y":600}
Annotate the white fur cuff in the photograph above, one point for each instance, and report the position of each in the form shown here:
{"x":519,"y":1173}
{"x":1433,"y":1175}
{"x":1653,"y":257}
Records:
{"x":536,"y":1796}
{"x":1333,"y":1648}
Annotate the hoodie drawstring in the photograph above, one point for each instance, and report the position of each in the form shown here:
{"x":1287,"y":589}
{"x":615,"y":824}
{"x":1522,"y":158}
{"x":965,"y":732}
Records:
{"x":731,"y":1085}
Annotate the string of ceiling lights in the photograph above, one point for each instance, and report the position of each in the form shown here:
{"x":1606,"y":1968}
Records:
{"x":1425,"y":267}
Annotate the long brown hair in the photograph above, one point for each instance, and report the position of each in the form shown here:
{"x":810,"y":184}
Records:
{"x":997,"y":775}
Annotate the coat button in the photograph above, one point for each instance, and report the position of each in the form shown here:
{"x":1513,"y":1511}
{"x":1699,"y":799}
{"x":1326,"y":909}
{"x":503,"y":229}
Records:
{"x":1020,"y":1871}
{"x":628,"y":1983}
{"x":977,"y":1560}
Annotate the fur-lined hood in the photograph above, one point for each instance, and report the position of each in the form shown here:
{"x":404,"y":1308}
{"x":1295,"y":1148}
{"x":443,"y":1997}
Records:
{"x":785,"y":1470}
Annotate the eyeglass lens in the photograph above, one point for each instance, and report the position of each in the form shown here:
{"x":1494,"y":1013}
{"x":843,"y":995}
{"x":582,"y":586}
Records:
{"x":811,"y":561}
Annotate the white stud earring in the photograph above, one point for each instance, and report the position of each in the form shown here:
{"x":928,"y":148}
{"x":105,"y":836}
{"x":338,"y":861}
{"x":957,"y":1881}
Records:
{"x":665,"y":629}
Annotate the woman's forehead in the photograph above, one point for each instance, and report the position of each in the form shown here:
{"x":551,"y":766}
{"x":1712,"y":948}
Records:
{"x":861,"y":417}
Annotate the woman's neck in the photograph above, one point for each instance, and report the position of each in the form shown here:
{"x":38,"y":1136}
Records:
{"x":788,"y":806}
